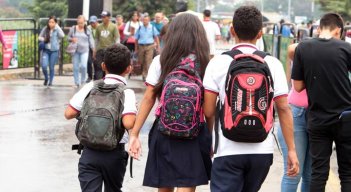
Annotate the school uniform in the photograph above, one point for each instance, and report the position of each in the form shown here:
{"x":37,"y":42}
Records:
{"x":175,"y":162}
{"x":108,"y":167}
{"x":241,"y":166}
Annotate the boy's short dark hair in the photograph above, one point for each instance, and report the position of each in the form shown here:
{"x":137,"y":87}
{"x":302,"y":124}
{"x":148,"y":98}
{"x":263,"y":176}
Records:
{"x":207,"y":13}
{"x":117,"y":59}
{"x":331,"y":21}
{"x":247,"y":22}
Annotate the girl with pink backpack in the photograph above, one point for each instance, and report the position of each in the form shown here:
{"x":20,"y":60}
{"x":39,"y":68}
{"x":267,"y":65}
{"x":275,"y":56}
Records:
{"x":179,"y":141}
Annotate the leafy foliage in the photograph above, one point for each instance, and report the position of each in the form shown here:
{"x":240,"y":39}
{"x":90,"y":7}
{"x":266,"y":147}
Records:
{"x":46,"y":8}
{"x":126,"y":7}
{"x":342,"y":7}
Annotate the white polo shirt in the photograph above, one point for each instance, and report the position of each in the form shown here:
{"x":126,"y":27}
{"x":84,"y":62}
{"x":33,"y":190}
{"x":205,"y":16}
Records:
{"x":212,"y":30}
{"x":77,"y":100}
{"x":214,"y":81}
{"x":154,"y":72}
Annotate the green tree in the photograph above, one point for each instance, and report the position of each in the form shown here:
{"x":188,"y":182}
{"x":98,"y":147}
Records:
{"x":45,"y":8}
{"x":10,"y":12}
{"x":342,"y":7}
{"x":126,"y":7}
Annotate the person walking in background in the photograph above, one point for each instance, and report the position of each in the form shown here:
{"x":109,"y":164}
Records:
{"x":130,"y":29}
{"x":157,"y":23}
{"x":106,"y":35}
{"x":2,"y":40}
{"x":175,"y":162}
{"x":93,"y":24}
{"x":51,"y":35}
{"x":120,"y":26}
{"x":298,"y":103}
{"x":146,"y":40}
{"x":212,"y":30}
{"x":83,"y":37}
{"x":322,"y":66}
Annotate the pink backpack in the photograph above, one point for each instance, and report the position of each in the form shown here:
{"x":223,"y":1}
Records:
{"x":180,"y":109}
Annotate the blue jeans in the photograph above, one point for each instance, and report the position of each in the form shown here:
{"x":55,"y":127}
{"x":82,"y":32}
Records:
{"x":290,"y":184}
{"x":49,"y":58}
{"x":80,"y":61}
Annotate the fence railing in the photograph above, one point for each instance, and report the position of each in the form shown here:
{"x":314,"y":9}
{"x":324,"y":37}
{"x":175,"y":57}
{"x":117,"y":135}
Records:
{"x":21,"y":35}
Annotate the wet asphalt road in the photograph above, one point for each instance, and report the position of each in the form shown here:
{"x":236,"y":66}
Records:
{"x":35,"y":140}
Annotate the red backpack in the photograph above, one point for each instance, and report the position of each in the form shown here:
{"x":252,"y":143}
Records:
{"x":247,"y":112}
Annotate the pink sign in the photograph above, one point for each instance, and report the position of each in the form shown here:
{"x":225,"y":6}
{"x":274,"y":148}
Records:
{"x":9,"y":57}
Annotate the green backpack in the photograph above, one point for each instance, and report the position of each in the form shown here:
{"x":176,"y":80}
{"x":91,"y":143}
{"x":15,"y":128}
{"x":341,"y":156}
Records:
{"x":99,"y":124}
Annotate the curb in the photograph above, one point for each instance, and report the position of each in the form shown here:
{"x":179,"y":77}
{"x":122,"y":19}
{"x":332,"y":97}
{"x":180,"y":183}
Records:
{"x":26,"y":73}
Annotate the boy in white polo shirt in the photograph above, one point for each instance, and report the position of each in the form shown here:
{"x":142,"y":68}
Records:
{"x":108,"y":167}
{"x":240,"y":166}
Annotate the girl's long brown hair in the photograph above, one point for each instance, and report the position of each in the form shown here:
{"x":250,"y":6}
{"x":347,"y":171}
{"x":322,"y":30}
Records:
{"x":47,"y":31}
{"x":185,"y":35}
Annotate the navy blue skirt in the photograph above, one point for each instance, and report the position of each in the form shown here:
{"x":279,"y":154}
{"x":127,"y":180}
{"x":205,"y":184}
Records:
{"x":178,"y":163}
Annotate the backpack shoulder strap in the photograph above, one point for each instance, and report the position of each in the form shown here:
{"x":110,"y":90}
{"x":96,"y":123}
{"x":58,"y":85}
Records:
{"x":261,"y":54}
{"x":98,"y":82}
{"x":233,"y":53}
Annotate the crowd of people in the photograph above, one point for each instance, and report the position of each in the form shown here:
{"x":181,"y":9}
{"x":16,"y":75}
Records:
{"x":200,"y":94}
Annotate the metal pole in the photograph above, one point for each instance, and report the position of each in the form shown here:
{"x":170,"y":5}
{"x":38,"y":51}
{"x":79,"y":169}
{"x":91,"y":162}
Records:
{"x":198,"y":6}
{"x":262,"y":7}
{"x":86,"y":8}
{"x":289,"y":10}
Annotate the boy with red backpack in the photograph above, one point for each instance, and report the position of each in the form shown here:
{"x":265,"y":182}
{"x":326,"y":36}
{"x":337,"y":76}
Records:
{"x":248,"y":83}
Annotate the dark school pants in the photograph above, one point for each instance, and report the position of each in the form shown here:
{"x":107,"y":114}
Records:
{"x":98,"y":167}
{"x":321,"y":143}
{"x":240,"y":173}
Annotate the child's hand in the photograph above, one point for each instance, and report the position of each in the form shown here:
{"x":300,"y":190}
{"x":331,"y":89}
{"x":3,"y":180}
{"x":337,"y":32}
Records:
{"x":134,"y":147}
{"x":293,"y":164}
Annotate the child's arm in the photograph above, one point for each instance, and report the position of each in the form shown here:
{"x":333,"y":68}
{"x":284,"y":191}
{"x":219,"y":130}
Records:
{"x":130,"y":109}
{"x":210,"y":108}
{"x":71,"y":112}
{"x":76,"y":103}
{"x":146,"y":105}
{"x":128,"y":121}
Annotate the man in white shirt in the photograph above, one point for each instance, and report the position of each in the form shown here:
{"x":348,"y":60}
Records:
{"x":212,"y":31}
{"x":240,"y":166}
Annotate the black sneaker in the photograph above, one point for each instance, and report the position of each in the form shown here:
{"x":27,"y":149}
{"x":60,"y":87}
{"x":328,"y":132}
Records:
{"x":45,"y":82}
{"x":88,"y":80}
{"x":50,"y":84}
